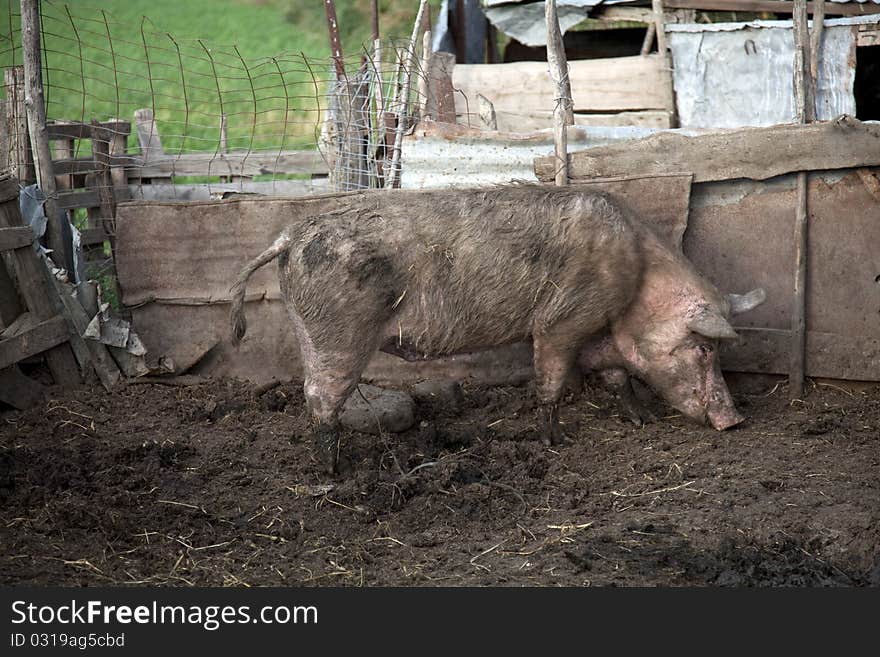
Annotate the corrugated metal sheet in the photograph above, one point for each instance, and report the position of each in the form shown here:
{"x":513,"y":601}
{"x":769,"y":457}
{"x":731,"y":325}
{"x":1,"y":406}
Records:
{"x":730,"y":75}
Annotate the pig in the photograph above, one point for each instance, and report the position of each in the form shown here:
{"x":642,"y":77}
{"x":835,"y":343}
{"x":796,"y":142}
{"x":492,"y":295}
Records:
{"x":443,"y":272}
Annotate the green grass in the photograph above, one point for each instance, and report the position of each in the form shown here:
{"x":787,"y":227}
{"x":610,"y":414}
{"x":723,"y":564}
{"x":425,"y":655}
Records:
{"x":262,"y":63}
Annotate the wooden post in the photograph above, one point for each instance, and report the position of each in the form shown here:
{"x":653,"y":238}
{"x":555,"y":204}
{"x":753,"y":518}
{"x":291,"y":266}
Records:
{"x":440,"y":104}
{"x":424,"y":64}
{"x":36,"y":117}
{"x":797,"y":368}
{"x":118,"y":148}
{"x":393,"y":179}
{"x":459,"y":31}
{"x":815,"y":48}
{"x":663,"y":50}
{"x":20,"y":159}
{"x":101,"y":138}
{"x":335,"y":43}
{"x":562,"y":112}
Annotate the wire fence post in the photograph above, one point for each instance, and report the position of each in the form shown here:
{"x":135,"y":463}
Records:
{"x":35,"y":108}
{"x":393,"y":179}
{"x":19,"y":158}
{"x":563,"y":114}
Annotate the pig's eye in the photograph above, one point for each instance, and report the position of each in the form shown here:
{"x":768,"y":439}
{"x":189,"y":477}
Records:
{"x":705,"y":349}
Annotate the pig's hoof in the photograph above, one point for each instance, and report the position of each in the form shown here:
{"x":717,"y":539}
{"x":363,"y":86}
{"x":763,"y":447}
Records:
{"x":554,"y":436}
{"x":639,"y":416}
{"x":327,"y":443}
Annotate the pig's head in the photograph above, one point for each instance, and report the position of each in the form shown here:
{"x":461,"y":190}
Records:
{"x":669,"y":339}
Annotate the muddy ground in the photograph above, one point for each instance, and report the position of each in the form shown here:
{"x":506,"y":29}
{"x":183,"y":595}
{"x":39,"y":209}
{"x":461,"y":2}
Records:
{"x":213,"y":485}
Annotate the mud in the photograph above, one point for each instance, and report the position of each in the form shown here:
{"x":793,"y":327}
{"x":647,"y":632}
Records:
{"x":213,"y":485}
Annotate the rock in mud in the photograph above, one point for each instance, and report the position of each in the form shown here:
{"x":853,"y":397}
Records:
{"x":394,"y":410}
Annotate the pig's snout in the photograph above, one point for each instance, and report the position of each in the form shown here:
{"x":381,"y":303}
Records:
{"x":724,"y":418}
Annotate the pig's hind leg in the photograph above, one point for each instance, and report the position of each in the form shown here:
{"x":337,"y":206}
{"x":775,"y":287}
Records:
{"x":332,"y":372}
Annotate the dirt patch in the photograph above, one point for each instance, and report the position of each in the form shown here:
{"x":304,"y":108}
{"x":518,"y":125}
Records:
{"x":212,"y":485}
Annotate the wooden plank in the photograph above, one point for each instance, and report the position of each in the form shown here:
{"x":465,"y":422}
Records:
{"x":235,"y":163}
{"x":755,"y":153}
{"x":81,"y":166}
{"x":521,"y":122}
{"x":601,"y":85}
{"x":78,"y":199}
{"x":867,"y":35}
{"x":615,"y":13}
{"x":42,"y":337}
{"x":774,"y":6}
{"x":92,"y":236}
{"x":15,"y":238}
{"x":31,"y":276}
{"x":98,"y":354}
{"x":18,"y":390}
{"x":79,"y":130}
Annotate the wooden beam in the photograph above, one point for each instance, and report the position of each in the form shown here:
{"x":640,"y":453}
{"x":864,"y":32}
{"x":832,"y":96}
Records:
{"x":15,"y":238}
{"x":774,"y":6}
{"x":235,"y":163}
{"x":98,"y":354}
{"x":755,"y":153}
{"x":42,"y":337}
{"x":78,"y":199}
{"x":80,"y":130}
{"x":92,"y":236}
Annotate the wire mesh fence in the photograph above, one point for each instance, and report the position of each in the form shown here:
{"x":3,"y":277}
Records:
{"x":175,"y":110}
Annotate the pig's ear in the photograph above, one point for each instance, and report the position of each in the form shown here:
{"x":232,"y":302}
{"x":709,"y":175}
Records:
{"x":712,"y":325}
{"x":740,"y":303}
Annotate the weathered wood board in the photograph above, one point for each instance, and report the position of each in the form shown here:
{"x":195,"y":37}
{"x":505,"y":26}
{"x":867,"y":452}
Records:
{"x":615,"y":84}
{"x":755,"y":153}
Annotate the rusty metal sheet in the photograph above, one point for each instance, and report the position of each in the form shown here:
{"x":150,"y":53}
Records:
{"x":740,"y":234}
